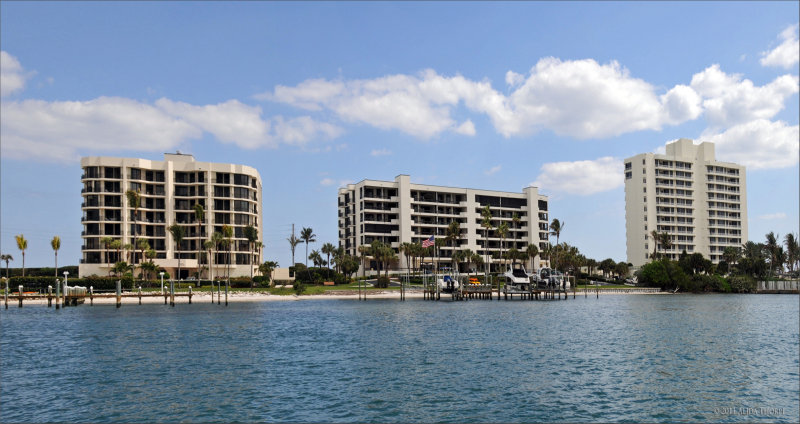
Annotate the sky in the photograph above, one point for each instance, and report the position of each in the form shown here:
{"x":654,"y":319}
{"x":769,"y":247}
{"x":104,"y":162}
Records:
{"x":488,"y":95}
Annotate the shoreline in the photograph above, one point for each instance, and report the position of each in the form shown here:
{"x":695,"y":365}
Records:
{"x":205,"y":297}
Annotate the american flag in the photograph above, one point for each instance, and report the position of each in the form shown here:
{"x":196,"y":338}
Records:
{"x":427,"y":243}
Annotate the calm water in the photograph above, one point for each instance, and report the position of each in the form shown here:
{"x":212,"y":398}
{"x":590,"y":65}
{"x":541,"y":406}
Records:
{"x":729,"y":358}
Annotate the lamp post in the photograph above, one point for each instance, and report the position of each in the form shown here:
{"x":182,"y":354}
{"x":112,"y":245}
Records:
{"x":162,"y":281}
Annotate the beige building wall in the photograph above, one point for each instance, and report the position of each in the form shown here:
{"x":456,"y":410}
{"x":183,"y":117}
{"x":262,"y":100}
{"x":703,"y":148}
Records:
{"x":169,"y":189}
{"x":399,"y":211}
{"x":700,"y":202}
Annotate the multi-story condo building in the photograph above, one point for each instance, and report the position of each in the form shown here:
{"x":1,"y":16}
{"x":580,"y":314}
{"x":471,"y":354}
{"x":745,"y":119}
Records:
{"x":168,"y":192}
{"x":686,"y":193}
{"x":398,"y":211}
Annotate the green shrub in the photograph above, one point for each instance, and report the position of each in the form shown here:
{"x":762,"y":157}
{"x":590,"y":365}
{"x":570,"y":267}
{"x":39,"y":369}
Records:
{"x":742,"y":284}
{"x":299,"y":287}
{"x":382,"y":282}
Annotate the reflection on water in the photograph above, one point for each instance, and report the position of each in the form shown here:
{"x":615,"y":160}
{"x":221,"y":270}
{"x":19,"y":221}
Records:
{"x":721,"y":358}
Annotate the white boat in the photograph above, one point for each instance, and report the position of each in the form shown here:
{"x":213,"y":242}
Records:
{"x":550,"y":279}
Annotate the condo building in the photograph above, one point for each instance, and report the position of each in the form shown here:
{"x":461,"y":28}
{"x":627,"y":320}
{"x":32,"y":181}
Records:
{"x":398,"y":211}
{"x":168,"y":192}
{"x":686,"y":193}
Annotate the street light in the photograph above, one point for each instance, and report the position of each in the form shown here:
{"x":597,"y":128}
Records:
{"x":162,"y":281}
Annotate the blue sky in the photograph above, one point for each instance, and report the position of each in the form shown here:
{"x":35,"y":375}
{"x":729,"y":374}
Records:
{"x":314,"y":95}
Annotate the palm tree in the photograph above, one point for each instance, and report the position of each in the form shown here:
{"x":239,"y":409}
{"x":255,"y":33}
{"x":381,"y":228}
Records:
{"x":134,"y":201}
{"x":406,"y":249}
{"x":199,"y":216}
{"x":227,"y":233}
{"x":143,"y":246}
{"x":532,"y":251}
{"x":178,"y":233}
{"x":209,"y":246}
{"x":116,"y":244}
{"x":327,"y":249}
{"x":555,"y":230}
{"x":772,"y":248}
{"x":251,"y":234}
{"x":654,"y":235}
{"x":293,"y":242}
{"x":731,"y":255}
{"x":106,"y":241}
{"x":453,"y":235}
{"x":316,"y":258}
{"x":55,"y":243}
{"x":266,"y":270}
{"x":22,"y":245}
{"x":363,"y":252}
{"x":258,"y":246}
{"x":502,"y":231}
{"x":486,"y":223}
{"x":308,"y":236}
{"x":792,"y":250}
{"x":665,"y":240}
{"x":6,"y":258}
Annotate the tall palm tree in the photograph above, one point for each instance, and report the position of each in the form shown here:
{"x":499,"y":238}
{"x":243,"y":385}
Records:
{"x":6,"y":258}
{"x":258,"y":246}
{"x":406,"y":249}
{"x":227,"y":233}
{"x":199,"y":216}
{"x":486,"y":223}
{"x":452,"y":236}
{"x":665,"y":240}
{"x":502,"y":231}
{"x":532,"y":251}
{"x":308,"y":236}
{"x":116,"y":244}
{"x":55,"y":243}
{"x":772,"y":249}
{"x":178,"y":233}
{"x":316,"y":258}
{"x":143,"y":246}
{"x":209,"y":246}
{"x":792,"y":250}
{"x":128,"y":248}
{"x":106,"y":242}
{"x":555,"y":230}
{"x":22,"y":245}
{"x":731,"y":255}
{"x":293,"y":242}
{"x":134,"y":201}
{"x":327,"y":249}
{"x":363,"y":253}
{"x":251,"y":234}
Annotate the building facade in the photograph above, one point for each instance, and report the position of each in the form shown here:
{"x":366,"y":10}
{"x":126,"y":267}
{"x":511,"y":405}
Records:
{"x":169,"y":191}
{"x":686,"y":193}
{"x":398,"y":211}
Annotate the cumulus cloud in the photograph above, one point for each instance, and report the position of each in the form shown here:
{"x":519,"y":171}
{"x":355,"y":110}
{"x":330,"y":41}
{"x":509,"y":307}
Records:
{"x":12,"y":75}
{"x":758,"y":144}
{"x":787,"y":53}
{"x":59,"y":131}
{"x":580,"y":99}
{"x":493,"y":170}
{"x":583,"y":177}
{"x":730,"y":100}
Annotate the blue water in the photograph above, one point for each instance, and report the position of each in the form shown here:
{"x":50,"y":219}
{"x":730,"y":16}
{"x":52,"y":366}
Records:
{"x":684,"y":358}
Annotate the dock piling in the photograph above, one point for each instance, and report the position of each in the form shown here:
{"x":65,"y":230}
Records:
{"x":49,"y":296}
{"x":91,"y":295}
{"x":227,"y":283}
{"x":190,"y":295}
{"x":6,"y":293}
{"x":119,"y":293}
{"x":140,"y":295}
{"x":171,"y":292}
{"x":58,"y":294}
{"x":20,"y":296}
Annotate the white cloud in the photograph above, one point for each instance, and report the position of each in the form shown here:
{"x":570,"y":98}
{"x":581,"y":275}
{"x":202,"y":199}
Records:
{"x":772,"y":216}
{"x":12,"y":75}
{"x":327,"y":182}
{"x":229,"y":122}
{"x":581,"y":99}
{"x":729,"y":100}
{"x":758,"y":144}
{"x":583,"y":177}
{"x":62,"y":131}
{"x":786,"y":54}
{"x":58,"y":131}
{"x":380,"y":152}
{"x":493,"y":170}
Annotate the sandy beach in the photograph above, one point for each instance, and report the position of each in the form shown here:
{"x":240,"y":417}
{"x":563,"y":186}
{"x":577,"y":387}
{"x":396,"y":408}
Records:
{"x":130,"y":298}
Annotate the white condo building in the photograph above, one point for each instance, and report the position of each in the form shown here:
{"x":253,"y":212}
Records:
{"x":398,"y":211}
{"x":699,"y":202}
{"x":168,"y":190}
